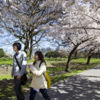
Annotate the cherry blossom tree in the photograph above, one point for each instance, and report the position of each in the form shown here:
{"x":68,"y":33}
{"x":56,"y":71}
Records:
{"x":76,"y":28}
{"x":23,"y":18}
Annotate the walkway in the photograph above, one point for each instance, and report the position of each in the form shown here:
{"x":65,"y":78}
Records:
{"x":85,"y":86}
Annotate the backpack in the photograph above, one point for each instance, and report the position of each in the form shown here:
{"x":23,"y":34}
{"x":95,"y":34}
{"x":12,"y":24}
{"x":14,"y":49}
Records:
{"x":47,"y":77}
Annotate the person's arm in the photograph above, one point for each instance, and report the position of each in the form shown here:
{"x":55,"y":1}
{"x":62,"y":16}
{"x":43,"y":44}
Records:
{"x":40,"y":71}
{"x":12,"y":72}
{"x":24,"y":64}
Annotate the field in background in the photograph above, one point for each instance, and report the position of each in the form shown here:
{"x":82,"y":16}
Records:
{"x":56,"y":67}
{"x":58,"y":64}
{"x":9,"y":61}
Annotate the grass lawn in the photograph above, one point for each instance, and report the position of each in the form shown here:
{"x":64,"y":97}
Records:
{"x":4,"y":77}
{"x":8,"y":61}
{"x":55,"y":68}
{"x":83,"y":60}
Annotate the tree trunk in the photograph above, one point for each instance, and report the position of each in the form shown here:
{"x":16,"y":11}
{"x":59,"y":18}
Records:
{"x":31,"y":49}
{"x":26,"y":43}
{"x":88,"y":60}
{"x":71,"y":53}
{"x":69,"y":58}
{"x":68,"y":61}
{"x":30,"y":53}
{"x":26,"y":46}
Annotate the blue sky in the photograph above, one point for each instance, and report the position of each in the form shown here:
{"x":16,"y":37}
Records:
{"x":7,"y":41}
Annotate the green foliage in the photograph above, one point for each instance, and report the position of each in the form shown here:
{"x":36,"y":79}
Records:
{"x":57,"y":73}
{"x":6,"y":61}
{"x":2,"y":54}
{"x":84,"y":60}
{"x":63,"y":76}
{"x":28,"y":54}
{"x":52,"y":70}
{"x":54,"y":54}
{"x":55,"y":59}
{"x":3,"y":77}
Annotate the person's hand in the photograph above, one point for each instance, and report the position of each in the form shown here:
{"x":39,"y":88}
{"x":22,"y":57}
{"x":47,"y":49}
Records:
{"x":29,"y":66}
{"x":18,"y":77}
{"x":30,"y":72}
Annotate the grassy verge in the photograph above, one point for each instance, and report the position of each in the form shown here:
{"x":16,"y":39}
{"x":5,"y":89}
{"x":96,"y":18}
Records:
{"x":56,"y":71}
{"x":6,"y":86}
{"x":4,"y":77}
{"x":6,"y":90}
{"x":57,"y":78}
{"x":74,"y":71}
{"x":84,"y":60}
{"x":7,"y":61}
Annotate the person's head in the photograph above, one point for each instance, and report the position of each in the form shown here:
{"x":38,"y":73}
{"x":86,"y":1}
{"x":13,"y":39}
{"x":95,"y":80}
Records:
{"x":38,"y":56}
{"x":16,"y":46}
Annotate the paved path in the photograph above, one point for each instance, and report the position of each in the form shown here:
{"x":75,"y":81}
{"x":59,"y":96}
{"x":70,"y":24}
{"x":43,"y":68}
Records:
{"x":85,"y":86}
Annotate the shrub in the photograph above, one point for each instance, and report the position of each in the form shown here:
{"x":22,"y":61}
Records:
{"x":55,"y":59}
{"x":53,"y":54}
{"x":2,"y":54}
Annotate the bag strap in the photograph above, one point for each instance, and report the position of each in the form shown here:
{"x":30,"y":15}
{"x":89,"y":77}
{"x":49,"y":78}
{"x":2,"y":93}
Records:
{"x":17,"y":62}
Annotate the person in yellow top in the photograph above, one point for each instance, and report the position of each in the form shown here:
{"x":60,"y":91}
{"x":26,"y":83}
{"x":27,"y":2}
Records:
{"x":39,"y":82}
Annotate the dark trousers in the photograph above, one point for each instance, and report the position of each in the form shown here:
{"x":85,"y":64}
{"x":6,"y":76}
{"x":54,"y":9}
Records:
{"x":43,"y":92}
{"x":18,"y":89}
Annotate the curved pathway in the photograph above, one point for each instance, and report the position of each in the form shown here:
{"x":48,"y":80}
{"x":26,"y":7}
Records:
{"x":85,"y":86}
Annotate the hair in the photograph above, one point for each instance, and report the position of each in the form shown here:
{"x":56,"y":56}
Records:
{"x":18,"y":45}
{"x":41,"y":57}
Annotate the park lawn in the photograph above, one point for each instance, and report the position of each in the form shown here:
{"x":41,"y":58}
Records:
{"x":4,"y":77}
{"x":84,"y":60}
{"x":75,"y":69}
{"x":9,"y":61}
{"x":56,"y":71}
{"x":6,"y":61}
{"x":63,"y":76}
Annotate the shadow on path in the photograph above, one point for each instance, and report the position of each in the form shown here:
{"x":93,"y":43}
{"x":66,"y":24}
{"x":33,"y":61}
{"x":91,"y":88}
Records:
{"x":76,"y":88}
{"x":80,"y":87}
{"x":6,"y":89}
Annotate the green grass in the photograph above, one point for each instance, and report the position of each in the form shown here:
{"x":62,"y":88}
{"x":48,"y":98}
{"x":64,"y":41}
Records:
{"x":74,"y":71}
{"x":4,"y":77}
{"x":57,"y":78}
{"x":51,"y":70}
{"x":6,"y":90}
{"x":6,"y":61}
{"x":6,"y":87}
{"x":56,"y":71}
{"x":84,"y":60}
{"x":55,"y":59}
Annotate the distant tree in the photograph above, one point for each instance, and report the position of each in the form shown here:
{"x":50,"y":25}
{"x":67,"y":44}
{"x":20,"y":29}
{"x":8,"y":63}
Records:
{"x":23,"y":19}
{"x":2,"y":53}
{"x":53,"y":54}
{"x":77,"y":26}
{"x":91,"y":51}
